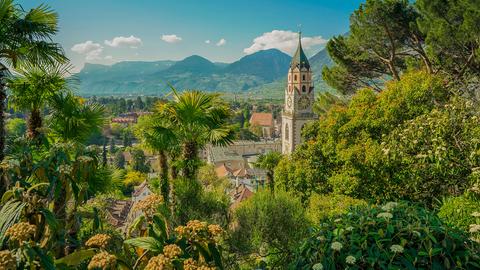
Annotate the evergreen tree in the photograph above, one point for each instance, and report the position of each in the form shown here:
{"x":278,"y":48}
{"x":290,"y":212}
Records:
{"x":119,"y":160}
{"x":104,"y":152}
{"x":112,"y":145}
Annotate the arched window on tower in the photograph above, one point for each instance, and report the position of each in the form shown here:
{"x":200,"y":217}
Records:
{"x":289,"y":78}
{"x":286,"y":131}
{"x":295,"y":77}
{"x":303,"y":77}
{"x":304,"y":89}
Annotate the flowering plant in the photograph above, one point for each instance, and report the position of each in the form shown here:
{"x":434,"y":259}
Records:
{"x":389,"y":236}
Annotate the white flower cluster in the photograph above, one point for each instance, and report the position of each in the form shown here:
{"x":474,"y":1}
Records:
{"x":396,"y":248}
{"x":84,"y":159}
{"x":65,"y":169}
{"x":337,"y":246}
{"x":389,"y":206}
{"x":385,"y":215}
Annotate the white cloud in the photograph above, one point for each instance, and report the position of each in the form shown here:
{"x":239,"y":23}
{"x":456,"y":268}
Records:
{"x":285,"y":41}
{"x":91,"y":50}
{"x":131,"y":41}
{"x":171,"y":38}
{"x":207,"y":41}
{"x":108,"y":57}
{"x":221,"y":42}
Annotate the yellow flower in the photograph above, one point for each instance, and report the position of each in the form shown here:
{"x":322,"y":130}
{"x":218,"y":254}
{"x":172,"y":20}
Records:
{"x":149,"y":205}
{"x":215,"y":230}
{"x":7,"y":260}
{"x":159,"y":262}
{"x":172,"y":251}
{"x":98,"y":240}
{"x":189,"y":264}
{"x":102,"y":260}
{"x":21,"y":231}
{"x":204,"y":267}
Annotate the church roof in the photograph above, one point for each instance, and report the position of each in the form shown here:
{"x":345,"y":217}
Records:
{"x":299,"y":58}
{"x":261,"y":119}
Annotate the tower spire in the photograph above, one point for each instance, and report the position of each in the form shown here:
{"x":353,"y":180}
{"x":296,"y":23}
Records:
{"x":299,"y":58}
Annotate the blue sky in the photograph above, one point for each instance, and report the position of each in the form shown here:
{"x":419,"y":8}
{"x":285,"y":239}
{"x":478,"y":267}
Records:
{"x":219,"y":30}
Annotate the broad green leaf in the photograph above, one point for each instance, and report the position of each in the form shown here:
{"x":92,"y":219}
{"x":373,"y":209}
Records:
{"x":76,"y":257}
{"x":148,"y":243}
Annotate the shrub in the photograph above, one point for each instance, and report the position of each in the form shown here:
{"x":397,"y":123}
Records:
{"x":322,"y":207}
{"x":132,"y":179}
{"x":458,"y":211}
{"x":393,"y":236}
{"x":193,"y":202}
{"x":269,"y":226}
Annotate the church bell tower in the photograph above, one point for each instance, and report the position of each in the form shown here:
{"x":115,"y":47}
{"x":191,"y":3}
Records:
{"x":299,"y":99}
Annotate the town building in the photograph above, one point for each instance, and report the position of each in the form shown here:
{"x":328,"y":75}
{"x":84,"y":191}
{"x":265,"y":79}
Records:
{"x":299,"y":98}
{"x":265,"y":122}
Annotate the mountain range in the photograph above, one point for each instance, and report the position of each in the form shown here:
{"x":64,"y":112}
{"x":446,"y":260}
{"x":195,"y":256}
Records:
{"x":263,"y":72}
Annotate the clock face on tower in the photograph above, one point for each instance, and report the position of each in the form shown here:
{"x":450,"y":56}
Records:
{"x":289,"y":102}
{"x":303,"y":102}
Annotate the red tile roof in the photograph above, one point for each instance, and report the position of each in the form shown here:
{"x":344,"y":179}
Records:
{"x":261,"y":119}
{"x":240,"y":194}
{"x":223,"y":170}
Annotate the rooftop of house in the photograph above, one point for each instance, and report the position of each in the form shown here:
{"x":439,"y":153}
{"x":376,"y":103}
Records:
{"x":117,"y":212}
{"x":261,"y":119}
{"x":223,"y":170}
{"x":140,"y":188}
{"x":240,"y":194}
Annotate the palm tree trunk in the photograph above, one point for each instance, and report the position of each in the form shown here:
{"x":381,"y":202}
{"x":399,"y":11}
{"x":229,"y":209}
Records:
{"x":164,"y":183}
{"x":3,"y":96}
{"x":34,"y":124}
{"x":190,"y":150}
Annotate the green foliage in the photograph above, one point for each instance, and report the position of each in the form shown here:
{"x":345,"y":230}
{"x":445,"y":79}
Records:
{"x":451,"y":29}
{"x":411,"y":141}
{"x":459,"y":211}
{"x":74,"y":120}
{"x":139,"y":161}
{"x":393,"y":236}
{"x":16,"y":127}
{"x":383,"y":34}
{"x":321,"y":207}
{"x":207,"y":176}
{"x":132,"y":179}
{"x":193,"y":202}
{"x":434,"y":154}
{"x":196,"y":118}
{"x":119,"y":160}
{"x":269,"y":226}
{"x":268,"y":162}
{"x":304,"y":172}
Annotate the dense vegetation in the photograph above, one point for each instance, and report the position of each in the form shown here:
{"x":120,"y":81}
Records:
{"x":387,"y":177}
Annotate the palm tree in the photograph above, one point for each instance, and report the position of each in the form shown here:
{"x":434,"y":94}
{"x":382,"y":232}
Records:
{"x":156,"y":135}
{"x":268,"y":162}
{"x":34,"y":87}
{"x":74,"y":120}
{"x":25,"y":37}
{"x":197,"y":118}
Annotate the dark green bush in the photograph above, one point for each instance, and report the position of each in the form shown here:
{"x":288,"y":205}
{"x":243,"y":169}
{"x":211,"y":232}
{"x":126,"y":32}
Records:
{"x":393,"y":236}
